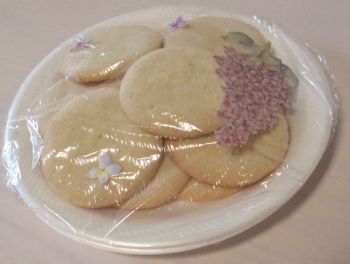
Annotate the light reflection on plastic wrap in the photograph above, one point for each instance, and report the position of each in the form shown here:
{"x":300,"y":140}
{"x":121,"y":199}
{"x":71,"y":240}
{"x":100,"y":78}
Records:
{"x":11,"y":163}
{"x":36,"y":140}
{"x":182,"y":126}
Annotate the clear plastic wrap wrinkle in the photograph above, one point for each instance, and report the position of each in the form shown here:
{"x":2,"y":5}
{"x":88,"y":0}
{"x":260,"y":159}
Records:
{"x":35,"y":139}
{"x":10,"y":163}
{"x":169,"y":129}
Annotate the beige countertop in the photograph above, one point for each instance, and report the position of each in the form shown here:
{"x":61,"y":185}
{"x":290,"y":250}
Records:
{"x":312,"y":228}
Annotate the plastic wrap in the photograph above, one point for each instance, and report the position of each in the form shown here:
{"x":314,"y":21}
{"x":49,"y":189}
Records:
{"x":161,"y":131}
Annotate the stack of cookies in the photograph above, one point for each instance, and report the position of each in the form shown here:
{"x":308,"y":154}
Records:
{"x":135,"y":122}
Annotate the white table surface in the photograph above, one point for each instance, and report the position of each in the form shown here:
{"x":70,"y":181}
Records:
{"x":314,"y":227}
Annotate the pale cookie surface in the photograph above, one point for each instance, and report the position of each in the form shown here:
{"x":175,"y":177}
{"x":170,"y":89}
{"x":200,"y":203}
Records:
{"x":207,"y":33}
{"x":108,"y":52}
{"x":167,"y":183}
{"x":210,"y":163}
{"x":173,"y":93}
{"x":87,"y":127}
{"x":198,"y":192}
{"x":58,"y":95}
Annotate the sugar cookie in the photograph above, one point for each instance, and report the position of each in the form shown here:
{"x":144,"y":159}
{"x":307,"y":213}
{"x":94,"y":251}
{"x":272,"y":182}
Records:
{"x":58,"y":95}
{"x":93,"y":156}
{"x":198,"y":192}
{"x":211,"y":163}
{"x":173,"y":93}
{"x":167,"y":183}
{"x":207,"y":33}
{"x":106,"y":53}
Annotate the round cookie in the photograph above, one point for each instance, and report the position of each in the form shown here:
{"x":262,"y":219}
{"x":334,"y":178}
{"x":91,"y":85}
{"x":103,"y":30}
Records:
{"x":208,"y":32}
{"x":167,"y":183}
{"x":93,"y":156}
{"x":108,"y":52}
{"x":211,"y":163}
{"x":59,"y":94}
{"x":198,"y":192}
{"x":173,"y":93}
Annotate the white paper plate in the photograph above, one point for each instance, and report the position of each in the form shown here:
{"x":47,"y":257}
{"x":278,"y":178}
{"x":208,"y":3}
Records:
{"x":180,"y":226}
